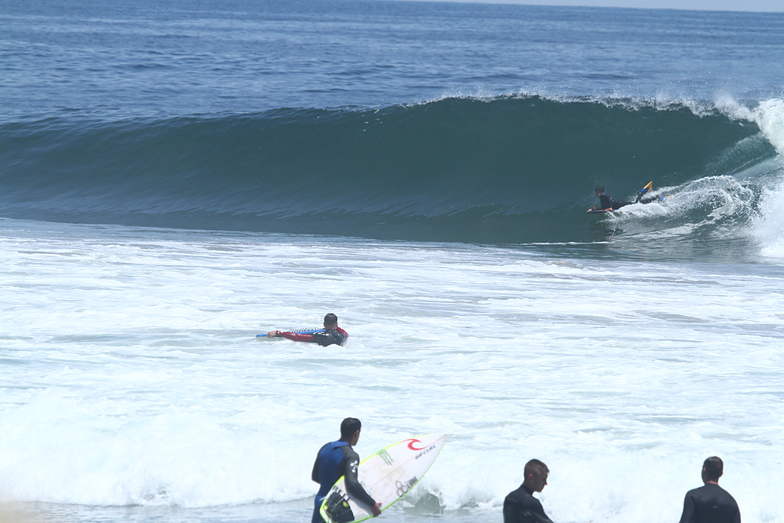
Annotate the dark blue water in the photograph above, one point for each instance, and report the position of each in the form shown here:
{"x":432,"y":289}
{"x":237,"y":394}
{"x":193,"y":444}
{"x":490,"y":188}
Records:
{"x":394,"y":120}
{"x":178,"y":57}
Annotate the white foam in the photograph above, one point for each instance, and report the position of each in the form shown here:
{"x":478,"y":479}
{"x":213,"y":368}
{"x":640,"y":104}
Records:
{"x":768,"y":225}
{"x":769,"y":115}
{"x":133,"y":376}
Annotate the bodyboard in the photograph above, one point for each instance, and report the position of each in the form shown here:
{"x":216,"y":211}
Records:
{"x":296,"y":331}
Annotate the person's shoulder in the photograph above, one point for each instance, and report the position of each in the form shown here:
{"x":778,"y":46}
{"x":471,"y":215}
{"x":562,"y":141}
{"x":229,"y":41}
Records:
{"x":711,"y":487}
{"x":710,"y":490}
{"x":339,"y":336}
{"x":723,"y":492}
{"x":323,"y":451}
{"x":696,"y":491}
{"x":348,"y":450}
{"x":332,"y":445}
{"x":518,"y":495}
{"x":327,"y":444}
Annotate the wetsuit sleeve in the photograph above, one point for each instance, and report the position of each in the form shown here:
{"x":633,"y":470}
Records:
{"x":513,"y":514}
{"x":527,"y":509}
{"x":534,"y":517}
{"x":536,"y":514}
{"x":294,"y":336}
{"x":315,"y":474}
{"x":353,"y":486}
{"x":688,"y":509}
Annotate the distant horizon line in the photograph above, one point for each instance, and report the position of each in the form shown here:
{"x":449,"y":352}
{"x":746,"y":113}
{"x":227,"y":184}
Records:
{"x":767,"y":7}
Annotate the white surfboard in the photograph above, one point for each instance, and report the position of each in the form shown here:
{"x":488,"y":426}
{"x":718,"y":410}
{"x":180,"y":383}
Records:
{"x":387,"y":476}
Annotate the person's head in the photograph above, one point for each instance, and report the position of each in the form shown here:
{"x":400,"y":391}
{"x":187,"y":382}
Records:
{"x":330,"y":321}
{"x":536,"y":474}
{"x":349,"y":430}
{"x":599,"y":190}
{"x":712,"y":469}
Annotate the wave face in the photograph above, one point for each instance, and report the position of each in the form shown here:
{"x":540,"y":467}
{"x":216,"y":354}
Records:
{"x":503,"y":170}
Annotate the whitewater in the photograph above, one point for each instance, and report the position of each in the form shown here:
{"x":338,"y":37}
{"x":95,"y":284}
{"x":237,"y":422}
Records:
{"x":177,"y":178}
{"x":134,"y":378}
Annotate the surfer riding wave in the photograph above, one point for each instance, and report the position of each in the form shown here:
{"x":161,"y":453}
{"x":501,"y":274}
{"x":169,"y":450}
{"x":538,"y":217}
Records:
{"x":606,"y":202}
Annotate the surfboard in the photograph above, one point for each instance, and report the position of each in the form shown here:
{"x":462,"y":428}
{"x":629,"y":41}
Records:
{"x":387,"y":476}
{"x":297,"y":331}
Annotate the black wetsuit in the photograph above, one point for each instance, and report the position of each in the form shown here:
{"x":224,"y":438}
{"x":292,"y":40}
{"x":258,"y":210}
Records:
{"x":520,"y":506}
{"x":334,"y":460}
{"x":330,"y":337}
{"x":710,"y":504}
{"x":606,"y":202}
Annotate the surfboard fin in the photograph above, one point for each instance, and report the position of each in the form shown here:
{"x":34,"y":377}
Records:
{"x":338,"y":509}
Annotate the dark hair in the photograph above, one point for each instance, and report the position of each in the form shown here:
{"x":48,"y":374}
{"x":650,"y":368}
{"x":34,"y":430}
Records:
{"x":714,"y":468}
{"x":599,"y":189}
{"x":348,"y":427}
{"x":535,"y":467}
{"x":330,"y":319}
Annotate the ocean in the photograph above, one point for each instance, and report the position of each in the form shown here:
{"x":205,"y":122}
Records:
{"x":177,"y":177}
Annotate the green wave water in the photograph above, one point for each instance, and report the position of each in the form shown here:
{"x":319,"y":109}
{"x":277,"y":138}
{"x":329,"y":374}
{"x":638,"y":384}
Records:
{"x":498,"y":170}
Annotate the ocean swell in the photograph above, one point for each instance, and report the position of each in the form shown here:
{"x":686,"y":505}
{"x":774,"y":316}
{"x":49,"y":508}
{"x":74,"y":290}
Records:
{"x":500,"y":170}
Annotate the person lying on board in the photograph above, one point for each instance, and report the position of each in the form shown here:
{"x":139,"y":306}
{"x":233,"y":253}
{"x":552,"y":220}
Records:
{"x":331,"y":335}
{"x":606,"y":201}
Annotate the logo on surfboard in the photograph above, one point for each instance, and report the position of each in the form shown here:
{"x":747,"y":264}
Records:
{"x":383,"y":454}
{"x":411,"y":443}
{"x":422,"y":450}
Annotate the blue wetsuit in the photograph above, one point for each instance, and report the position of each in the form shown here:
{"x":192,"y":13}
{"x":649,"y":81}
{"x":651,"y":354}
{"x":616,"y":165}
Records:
{"x":334,"y":460}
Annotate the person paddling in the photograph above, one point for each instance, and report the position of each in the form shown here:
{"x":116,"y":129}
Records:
{"x":331,"y":335}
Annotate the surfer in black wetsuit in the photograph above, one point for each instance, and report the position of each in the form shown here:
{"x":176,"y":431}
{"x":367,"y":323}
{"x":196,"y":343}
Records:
{"x":606,"y":201}
{"x":338,"y":459}
{"x":710,"y":503}
{"x":332,"y":334}
{"x":520,"y":506}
